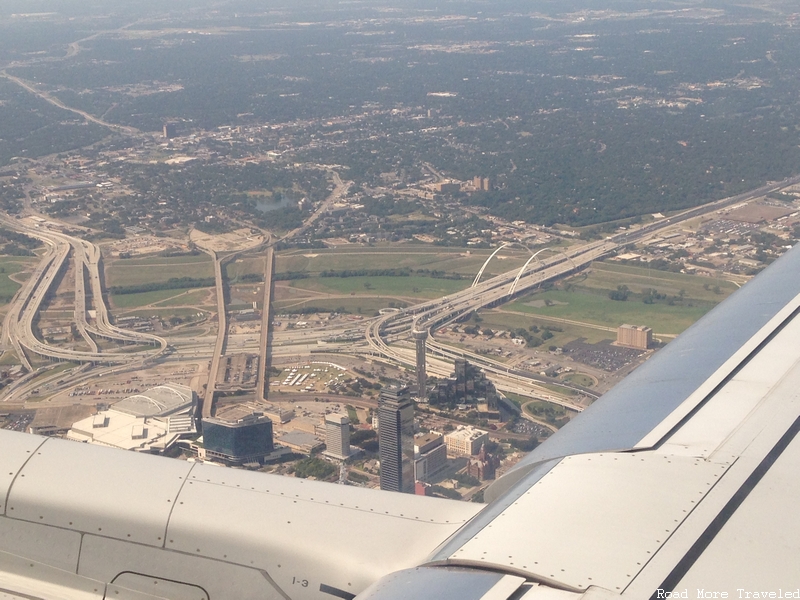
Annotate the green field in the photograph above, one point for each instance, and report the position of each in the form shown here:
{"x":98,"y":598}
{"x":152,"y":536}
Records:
{"x":416,"y":287}
{"x":509,"y":321}
{"x":450,"y":260}
{"x":143,"y":298}
{"x":189,"y":298}
{"x":243,"y":266}
{"x":137,"y":271}
{"x":584,"y":298}
{"x":9,"y":265}
{"x":598,"y":308}
{"x":607,"y":276}
{"x":366,"y":307}
{"x":470,"y":265}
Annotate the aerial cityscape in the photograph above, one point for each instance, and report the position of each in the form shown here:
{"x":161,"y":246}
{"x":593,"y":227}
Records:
{"x":386,"y":246}
{"x":377,"y":300}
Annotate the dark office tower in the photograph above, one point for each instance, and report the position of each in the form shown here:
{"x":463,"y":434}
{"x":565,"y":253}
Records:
{"x":396,"y":439}
{"x":422,"y":375}
{"x":248,"y":439}
{"x":460,"y":370}
{"x":170,"y":130}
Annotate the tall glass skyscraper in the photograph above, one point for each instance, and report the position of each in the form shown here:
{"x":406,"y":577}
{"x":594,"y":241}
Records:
{"x":420,"y":338}
{"x":396,"y":439}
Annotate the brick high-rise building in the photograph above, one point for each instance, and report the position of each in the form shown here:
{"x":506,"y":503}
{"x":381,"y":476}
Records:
{"x":465,"y":441}
{"x":635,"y":336}
{"x":482,"y":183}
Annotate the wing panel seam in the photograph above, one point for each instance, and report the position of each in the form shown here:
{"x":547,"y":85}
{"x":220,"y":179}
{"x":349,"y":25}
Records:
{"x":172,"y":508}
{"x":14,"y":479}
{"x":716,"y":525}
{"x":727,"y":379}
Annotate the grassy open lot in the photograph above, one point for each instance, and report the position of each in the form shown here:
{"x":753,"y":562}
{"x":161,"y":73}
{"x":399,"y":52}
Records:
{"x":579,"y":379}
{"x":9,"y":265}
{"x":167,"y":260}
{"x":190,"y":298}
{"x":552,"y":413}
{"x":417,"y":287}
{"x":136,"y":271}
{"x":164,"y":313}
{"x":608,"y":275}
{"x":508,"y":321}
{"x":9,"y":357}
{"x":187,"y":332}
{"x":451,"y":260}
{"x":143,"y":298}
{"x":366,"y":307}
{"x":588,"y":307}
{"x":52,"y":314}
{"x":243,"y":266}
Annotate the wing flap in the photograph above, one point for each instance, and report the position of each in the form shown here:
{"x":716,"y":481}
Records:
{"x":593,"y":520}
{"x":33,"y":580}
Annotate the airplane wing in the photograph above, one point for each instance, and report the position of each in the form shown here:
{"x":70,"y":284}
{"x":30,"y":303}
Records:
{"x":680,"y":482}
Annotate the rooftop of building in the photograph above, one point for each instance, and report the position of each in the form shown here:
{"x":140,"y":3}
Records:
{"x":423,"y":439}
{"x":300,"y":440}
{"x":238,"y":414}
{"x":394,"y":396}
{"x":158,"y":401}
{"x":466,"y":433}
{"x":337,"y":419}
{"x":60,"y":417}
{"x":151,"y":421}
{"x":123,"y":430}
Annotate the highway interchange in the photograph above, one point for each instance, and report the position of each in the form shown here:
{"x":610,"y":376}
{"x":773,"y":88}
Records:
{"x":18,"y":326}
{"x":430,"y":316}
{"x":386,"y":338}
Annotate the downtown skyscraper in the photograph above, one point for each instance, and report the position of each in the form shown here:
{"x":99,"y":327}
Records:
{"x":396,"y":439}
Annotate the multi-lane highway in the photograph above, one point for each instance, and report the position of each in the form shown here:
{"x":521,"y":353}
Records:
{"x":386,"y":336}
{"x":266,"y":320}
{"x":18,"y":330}
{"x":432,"y":315}
{"x":435,"y":314}
{"x":222,"y":333}
{"x":222,"y":329}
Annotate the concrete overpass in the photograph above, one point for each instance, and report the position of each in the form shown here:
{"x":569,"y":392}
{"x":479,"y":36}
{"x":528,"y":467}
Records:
{"x":18,"y":330}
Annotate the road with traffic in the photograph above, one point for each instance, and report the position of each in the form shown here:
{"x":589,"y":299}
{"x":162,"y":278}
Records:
{"x":18,"y":330}
{"x":387,"y":336}
{"x":432,"y":315}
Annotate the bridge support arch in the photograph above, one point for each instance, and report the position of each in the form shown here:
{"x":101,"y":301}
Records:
{"x":491,"y":256}
{"x":513,"y":287}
